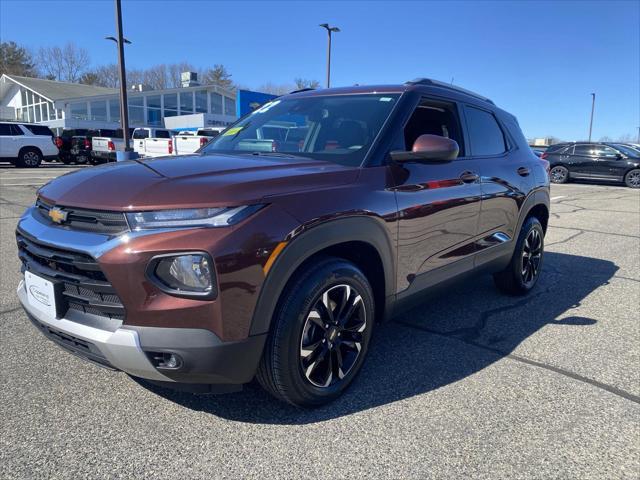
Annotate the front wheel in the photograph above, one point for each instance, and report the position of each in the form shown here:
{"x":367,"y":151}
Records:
{"x":522,"y":273}
{"x":632,"y":178}
{"x":559,"y":174}
{"x":320,"y":335}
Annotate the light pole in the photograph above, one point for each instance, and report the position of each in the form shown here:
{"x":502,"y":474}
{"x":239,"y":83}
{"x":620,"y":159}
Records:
{"x":593,"y":106}
{"x":330,"y":30}
{"x":124,"y":110}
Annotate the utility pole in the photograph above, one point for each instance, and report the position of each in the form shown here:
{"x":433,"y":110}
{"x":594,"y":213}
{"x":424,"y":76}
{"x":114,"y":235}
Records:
{"x":593,"y":106}
{"x":124,"y":110}
{"x":330,"y":30}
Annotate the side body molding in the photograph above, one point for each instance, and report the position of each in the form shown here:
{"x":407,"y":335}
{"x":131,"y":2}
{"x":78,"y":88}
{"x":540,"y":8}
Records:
{"x":367,"y":229}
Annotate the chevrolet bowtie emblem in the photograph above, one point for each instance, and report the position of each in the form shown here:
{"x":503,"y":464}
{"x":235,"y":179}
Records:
{"x":57,"y":215}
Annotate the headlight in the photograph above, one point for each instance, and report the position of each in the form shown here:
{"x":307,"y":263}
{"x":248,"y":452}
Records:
{"x":192,"y":217}
{"x":189,"y":274}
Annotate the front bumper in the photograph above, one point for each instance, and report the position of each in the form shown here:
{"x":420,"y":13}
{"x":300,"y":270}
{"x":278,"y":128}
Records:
{"x":205,"y":358}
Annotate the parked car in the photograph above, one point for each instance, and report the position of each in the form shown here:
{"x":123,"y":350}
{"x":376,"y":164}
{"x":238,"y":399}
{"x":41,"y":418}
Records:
{"x":208,"y":270}
{"x":140,"y":134}
{"x":64,"y":141}
{"x":104,"y":148}
{"x":26,"y":145}
{"x":593,"y":161}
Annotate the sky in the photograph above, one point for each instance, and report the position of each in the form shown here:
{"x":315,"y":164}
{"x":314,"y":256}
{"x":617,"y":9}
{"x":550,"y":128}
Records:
{"x":539,"y":60}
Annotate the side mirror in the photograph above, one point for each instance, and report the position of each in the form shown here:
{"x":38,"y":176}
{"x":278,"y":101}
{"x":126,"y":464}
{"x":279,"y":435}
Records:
{"x":432,"y":148}
{"x":619,"y":156}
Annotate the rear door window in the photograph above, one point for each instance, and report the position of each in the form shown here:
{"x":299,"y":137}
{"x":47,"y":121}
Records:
{"x":485,"y":134}
{"x":5,"y":130}
{"x":16,"y":130}
{"x":585,"y":150}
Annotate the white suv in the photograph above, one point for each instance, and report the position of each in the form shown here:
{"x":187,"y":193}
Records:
{"x":25,"y":144}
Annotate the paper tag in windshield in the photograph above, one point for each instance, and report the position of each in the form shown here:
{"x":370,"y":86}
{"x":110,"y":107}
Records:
{"x":232,"y":131}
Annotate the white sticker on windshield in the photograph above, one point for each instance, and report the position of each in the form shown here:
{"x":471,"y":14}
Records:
{"x":267,"y":106}
{"x":385,"y":99}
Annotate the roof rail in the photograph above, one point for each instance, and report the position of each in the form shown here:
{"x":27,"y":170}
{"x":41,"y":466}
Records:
{"x":437,"y":83}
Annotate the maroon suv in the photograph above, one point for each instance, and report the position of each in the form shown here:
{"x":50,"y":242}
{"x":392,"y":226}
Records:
{"x":273,"y":252}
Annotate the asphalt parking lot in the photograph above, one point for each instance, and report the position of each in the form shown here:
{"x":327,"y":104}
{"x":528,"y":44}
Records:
{"x":469,"y":384}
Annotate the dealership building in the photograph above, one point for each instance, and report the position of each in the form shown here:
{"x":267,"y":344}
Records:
{"x":62,"y":105}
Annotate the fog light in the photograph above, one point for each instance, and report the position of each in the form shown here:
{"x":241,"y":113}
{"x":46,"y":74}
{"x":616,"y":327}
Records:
{"x":188,"y":273}
{"x":172,"y":361}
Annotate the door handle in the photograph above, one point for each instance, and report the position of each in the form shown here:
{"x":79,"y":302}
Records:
{"x":524,"y":171}
{"x":469,"y":177}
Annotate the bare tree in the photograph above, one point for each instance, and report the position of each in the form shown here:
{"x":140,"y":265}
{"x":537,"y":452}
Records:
{"x":108,"y":75}
{"x":305,"y":83}
{"x":157,"y":77}
{"x":66,"y":64}
{"x":276,"y":89}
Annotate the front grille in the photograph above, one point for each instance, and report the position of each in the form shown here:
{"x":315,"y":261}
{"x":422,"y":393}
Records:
{"x":97,"y":221}
{"x":84,"y":285}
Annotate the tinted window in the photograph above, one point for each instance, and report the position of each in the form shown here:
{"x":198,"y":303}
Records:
{"x":163,"y":134}
{"x":585,"y":150}
{"x":141,"y":134}
{"x":15,"y":130}
{"x":484,"y":133}
{"x":604,"y":151}
{"x":5,"y":129}
{"x":39,"y":130}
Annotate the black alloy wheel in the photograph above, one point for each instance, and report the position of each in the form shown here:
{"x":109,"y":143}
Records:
{"x":332,"y":336}
{"x":531,"y":257}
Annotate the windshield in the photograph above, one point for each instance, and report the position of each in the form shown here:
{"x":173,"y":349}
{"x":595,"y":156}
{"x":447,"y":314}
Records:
{"x":337,"y":128}
{"x":627,"y":150}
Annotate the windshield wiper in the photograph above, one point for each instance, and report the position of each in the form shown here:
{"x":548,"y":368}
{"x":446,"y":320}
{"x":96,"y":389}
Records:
{"x":275,"y":154}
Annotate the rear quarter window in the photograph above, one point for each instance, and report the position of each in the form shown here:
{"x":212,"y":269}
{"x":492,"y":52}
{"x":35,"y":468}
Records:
{"x":485,"y":133}
{"x":39,"y":130}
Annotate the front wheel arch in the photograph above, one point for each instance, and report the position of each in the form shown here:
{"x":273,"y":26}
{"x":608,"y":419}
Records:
{"x":326,"y":237}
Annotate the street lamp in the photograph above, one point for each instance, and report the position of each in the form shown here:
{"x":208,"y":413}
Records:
{"x":593,"y":105}
{"x":330,"y":30}
{"x":124,"y":110}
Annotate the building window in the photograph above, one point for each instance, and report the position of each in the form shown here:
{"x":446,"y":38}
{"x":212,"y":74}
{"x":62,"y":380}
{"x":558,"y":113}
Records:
{"x":79,"y":110}
{"x":114,"y":110}
{"x":216,"y":103}
{"x":201,"y":101}
{"x":186,"y":103}
{"x":23,"y":93}
{"x":229,"y":106}
{"x":171,"y":104}
{"x":99,"y":111}
{"x":154,"y":110}
{"x":136,"y":110}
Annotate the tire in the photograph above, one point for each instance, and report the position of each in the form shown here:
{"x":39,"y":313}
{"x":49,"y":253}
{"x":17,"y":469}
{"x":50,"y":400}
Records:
{"x":29,"y":158}
{"x":632,"y":178}
{"x":309,"y":377}
{"x":559,"y":174}
{"x":523,"y":271}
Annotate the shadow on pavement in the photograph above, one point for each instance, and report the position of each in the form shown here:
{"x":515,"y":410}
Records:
{"x":449,"y":337}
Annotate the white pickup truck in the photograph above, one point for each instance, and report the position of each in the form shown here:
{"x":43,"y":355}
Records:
{"x":103,"y":149}
{"x":180,"y":144}
{"x":141,"y":134}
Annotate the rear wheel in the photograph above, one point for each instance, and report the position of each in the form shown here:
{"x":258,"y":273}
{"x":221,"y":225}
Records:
{"x":321,"y":332}
{"x":559,"y":174}
{"x":522,"y":273}
{"x":29,"y":158}
{"x":632,"y":178}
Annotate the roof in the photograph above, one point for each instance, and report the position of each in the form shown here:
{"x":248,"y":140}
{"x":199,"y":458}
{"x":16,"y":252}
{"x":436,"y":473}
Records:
{"x":54,"y":90}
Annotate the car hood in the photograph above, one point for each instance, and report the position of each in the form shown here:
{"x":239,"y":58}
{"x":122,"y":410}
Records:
{"x":192,"y":181}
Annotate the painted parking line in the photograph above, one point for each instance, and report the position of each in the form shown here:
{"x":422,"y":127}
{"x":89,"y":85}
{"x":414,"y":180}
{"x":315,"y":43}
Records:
{"x":558,"y":198}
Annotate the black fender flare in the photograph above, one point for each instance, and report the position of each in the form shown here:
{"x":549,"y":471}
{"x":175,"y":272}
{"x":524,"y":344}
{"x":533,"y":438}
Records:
{"x":539,"y":196}
{"x":367,"y":229}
